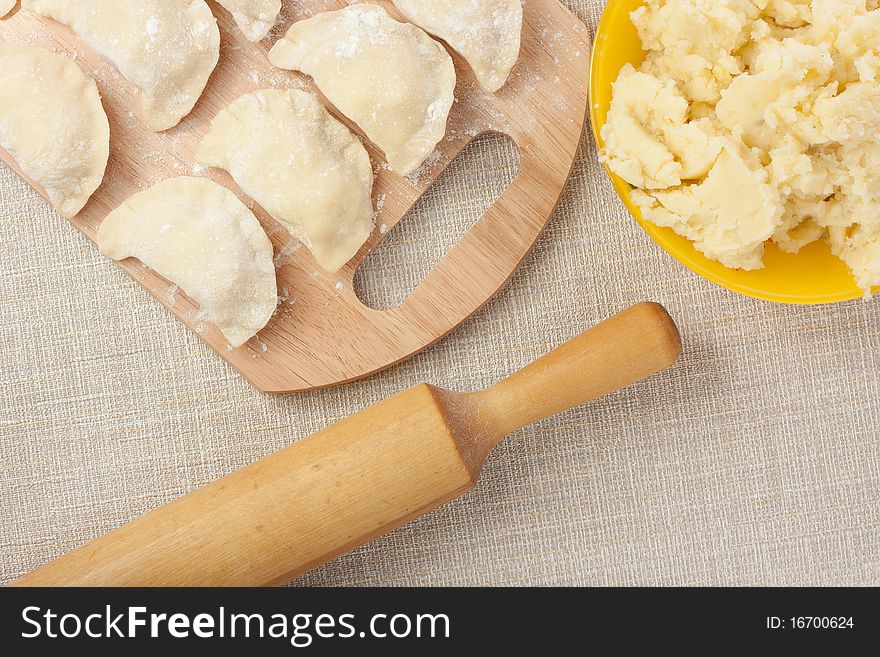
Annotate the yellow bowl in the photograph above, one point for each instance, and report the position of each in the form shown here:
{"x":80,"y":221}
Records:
{"x":812,"y":276}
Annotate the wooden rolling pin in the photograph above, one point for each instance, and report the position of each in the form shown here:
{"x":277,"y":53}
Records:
{"x":391,"y":463}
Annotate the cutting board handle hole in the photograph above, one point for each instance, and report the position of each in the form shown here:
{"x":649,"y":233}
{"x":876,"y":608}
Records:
{"x":462,"y":194}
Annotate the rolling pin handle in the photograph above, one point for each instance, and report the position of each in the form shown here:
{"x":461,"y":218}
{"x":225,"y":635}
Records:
{"x":627,"y":348}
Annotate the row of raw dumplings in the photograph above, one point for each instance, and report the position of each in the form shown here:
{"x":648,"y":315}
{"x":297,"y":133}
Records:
{"x":282,"y":147}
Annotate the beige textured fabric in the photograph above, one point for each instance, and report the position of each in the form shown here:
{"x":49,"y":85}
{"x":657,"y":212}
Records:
{"x":756,"y":461}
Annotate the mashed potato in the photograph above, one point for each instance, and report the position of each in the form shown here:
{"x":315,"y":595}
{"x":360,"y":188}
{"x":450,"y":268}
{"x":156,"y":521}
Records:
{"x":755,"y":120}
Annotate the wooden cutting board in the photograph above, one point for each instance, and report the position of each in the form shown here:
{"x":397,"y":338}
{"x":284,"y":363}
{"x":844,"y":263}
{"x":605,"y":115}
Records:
{"x":322,"y":335}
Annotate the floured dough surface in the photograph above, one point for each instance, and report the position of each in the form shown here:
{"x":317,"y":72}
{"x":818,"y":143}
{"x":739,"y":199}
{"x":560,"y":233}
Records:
{"x":302,"y":165}
{"x":198,"y":235}
{"x":167,"y":48}
{"x":487,"y":33}
{"x":6,"y":6}
{"x":53,"y":125}
{"x":390,"y":78}
{"x":255,"y":18}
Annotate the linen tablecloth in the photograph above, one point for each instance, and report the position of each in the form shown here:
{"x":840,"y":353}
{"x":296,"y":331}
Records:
{"x":754,"y":461}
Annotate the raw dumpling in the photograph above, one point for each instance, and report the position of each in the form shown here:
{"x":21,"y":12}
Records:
{"x":255,"y":18}
{"x":53,"y":125}
{"x":303,"y":166}
{"x":6,"y":6}
{"x":167,"y":48}
{"x":486,"y":33}
{"x":198,"y":235}
{"x":390,"y":78}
